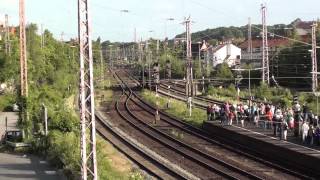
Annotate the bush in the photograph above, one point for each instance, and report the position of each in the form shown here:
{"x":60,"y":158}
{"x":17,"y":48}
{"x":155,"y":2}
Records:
{"x":63,"y":150}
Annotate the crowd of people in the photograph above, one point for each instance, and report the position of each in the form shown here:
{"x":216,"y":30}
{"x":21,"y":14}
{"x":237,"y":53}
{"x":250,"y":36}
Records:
{"x":299,"y":121}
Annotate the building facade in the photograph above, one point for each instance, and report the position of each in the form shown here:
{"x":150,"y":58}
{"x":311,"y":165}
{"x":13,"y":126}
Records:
{"x":221,"y":53}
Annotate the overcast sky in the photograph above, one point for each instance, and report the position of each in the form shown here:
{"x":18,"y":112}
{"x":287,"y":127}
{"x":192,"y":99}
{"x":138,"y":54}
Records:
{"x":150,"y":15}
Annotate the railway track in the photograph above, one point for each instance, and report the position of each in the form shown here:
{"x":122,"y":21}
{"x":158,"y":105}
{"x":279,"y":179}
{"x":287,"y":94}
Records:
{"x":227,"y":143}
{"x":208,"y":149}
{"x":140,"y":157}
{"x":186,"y":156}
{"x":146,"y":159}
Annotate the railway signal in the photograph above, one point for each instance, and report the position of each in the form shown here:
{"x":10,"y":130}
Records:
{"x":156,"y":73}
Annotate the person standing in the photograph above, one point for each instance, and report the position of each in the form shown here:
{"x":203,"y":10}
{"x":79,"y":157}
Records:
{"x":311,"y":134}
{"x":216,"y":111}
{"x":222,"y":113}
{"x":305,"y":129}
{"x":276,"y":124}
{"x":213,"y":112}
{"x":269,"y":116}
{"x":285,"y":129}
{"x":208,"y":112}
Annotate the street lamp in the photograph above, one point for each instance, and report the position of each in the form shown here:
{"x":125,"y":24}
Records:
{"x":123,"y":50}
{"x":165,"y":31}
{"x":151,"y":31}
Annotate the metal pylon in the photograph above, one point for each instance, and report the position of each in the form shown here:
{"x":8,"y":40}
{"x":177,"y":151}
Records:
{"x":314,"y":59}
{"x":265,"y":50}
{"x":189,"y":74}
{"x":7,"y":35}
{"x":23,"y":50}
{"x":87,"y":115}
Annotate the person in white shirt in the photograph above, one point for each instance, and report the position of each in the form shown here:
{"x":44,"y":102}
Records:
{"x":305,"y":129}
{"x":285,"y":129}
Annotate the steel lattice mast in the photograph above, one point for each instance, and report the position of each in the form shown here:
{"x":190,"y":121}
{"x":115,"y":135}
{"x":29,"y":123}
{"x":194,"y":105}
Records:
{"x":314,"y":59}
{"x":265,"y":51}
{"x":249,"y":39}
{"x":189,"y":76}
{"x":87,"y":115}
{"x":23,"y":51}
{"x":7,"y":36}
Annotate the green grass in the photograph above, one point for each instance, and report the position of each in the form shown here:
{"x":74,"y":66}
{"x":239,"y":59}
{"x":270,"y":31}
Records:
{"x":6,"y":100}
{"x":177,"y":108}
{"x":112,"y":165}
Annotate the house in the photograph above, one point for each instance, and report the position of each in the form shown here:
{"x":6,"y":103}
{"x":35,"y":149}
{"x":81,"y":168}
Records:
{"x":302,"y":28}
{"x":256,"y":61}
{"x":2,"y":30}
{"x":12,"y":30}
{"x":224,"y":52}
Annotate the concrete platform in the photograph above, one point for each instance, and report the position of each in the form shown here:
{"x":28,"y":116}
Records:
{"x":287,"y":154}
{"x":27,"y":167}
{"x":12,"y":120}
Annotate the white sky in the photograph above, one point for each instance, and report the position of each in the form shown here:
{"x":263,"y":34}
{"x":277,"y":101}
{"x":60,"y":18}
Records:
{"x":147,"y":15}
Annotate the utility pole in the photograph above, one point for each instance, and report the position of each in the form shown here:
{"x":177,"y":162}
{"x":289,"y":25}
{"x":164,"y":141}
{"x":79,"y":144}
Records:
{"x":101,"y":65}
{"x":87,"y":114}
{"x":158,"y":48}
{"x":199,"y":57}
{"x":7,"y":36}
{"x":45,"y":118}
{"x":148,"y":59}
{"x":314,"y":59}
{"x":249,"y":39}
{"x":135,"y":35}
{"x":42,"y":37}
{"x":23,"y":50}
{"x":140,"y":52}
{"x":189,"y":75}
{"x":265,"y":49}
{"x":61,"y":36}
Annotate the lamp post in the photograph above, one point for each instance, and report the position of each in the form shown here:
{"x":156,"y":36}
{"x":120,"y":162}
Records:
{"x":317,"y":94}
{"x":165,"y":30}
{"x":203,"y":91}
{"x":123,"y":11}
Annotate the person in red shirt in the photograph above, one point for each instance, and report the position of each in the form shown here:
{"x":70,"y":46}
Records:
{"x":269,"y":116}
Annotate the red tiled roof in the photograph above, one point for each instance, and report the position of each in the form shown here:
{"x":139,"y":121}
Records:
{"x":304,"y":24}
{"x":271,"y":43}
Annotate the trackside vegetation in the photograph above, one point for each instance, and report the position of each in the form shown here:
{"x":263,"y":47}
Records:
{"x":53,"y":82}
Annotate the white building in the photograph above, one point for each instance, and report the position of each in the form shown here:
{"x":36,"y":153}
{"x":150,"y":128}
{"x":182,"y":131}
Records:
{"x":228,"y":53}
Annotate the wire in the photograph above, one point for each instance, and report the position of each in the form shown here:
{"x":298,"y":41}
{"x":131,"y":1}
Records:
{"x":291,"y":39}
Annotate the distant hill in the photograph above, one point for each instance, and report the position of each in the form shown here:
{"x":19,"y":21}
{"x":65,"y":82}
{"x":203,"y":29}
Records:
{"x":237,"y":34}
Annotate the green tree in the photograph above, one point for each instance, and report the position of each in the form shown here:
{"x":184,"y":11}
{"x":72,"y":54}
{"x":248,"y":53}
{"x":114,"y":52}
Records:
{"x":223,"y":71}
